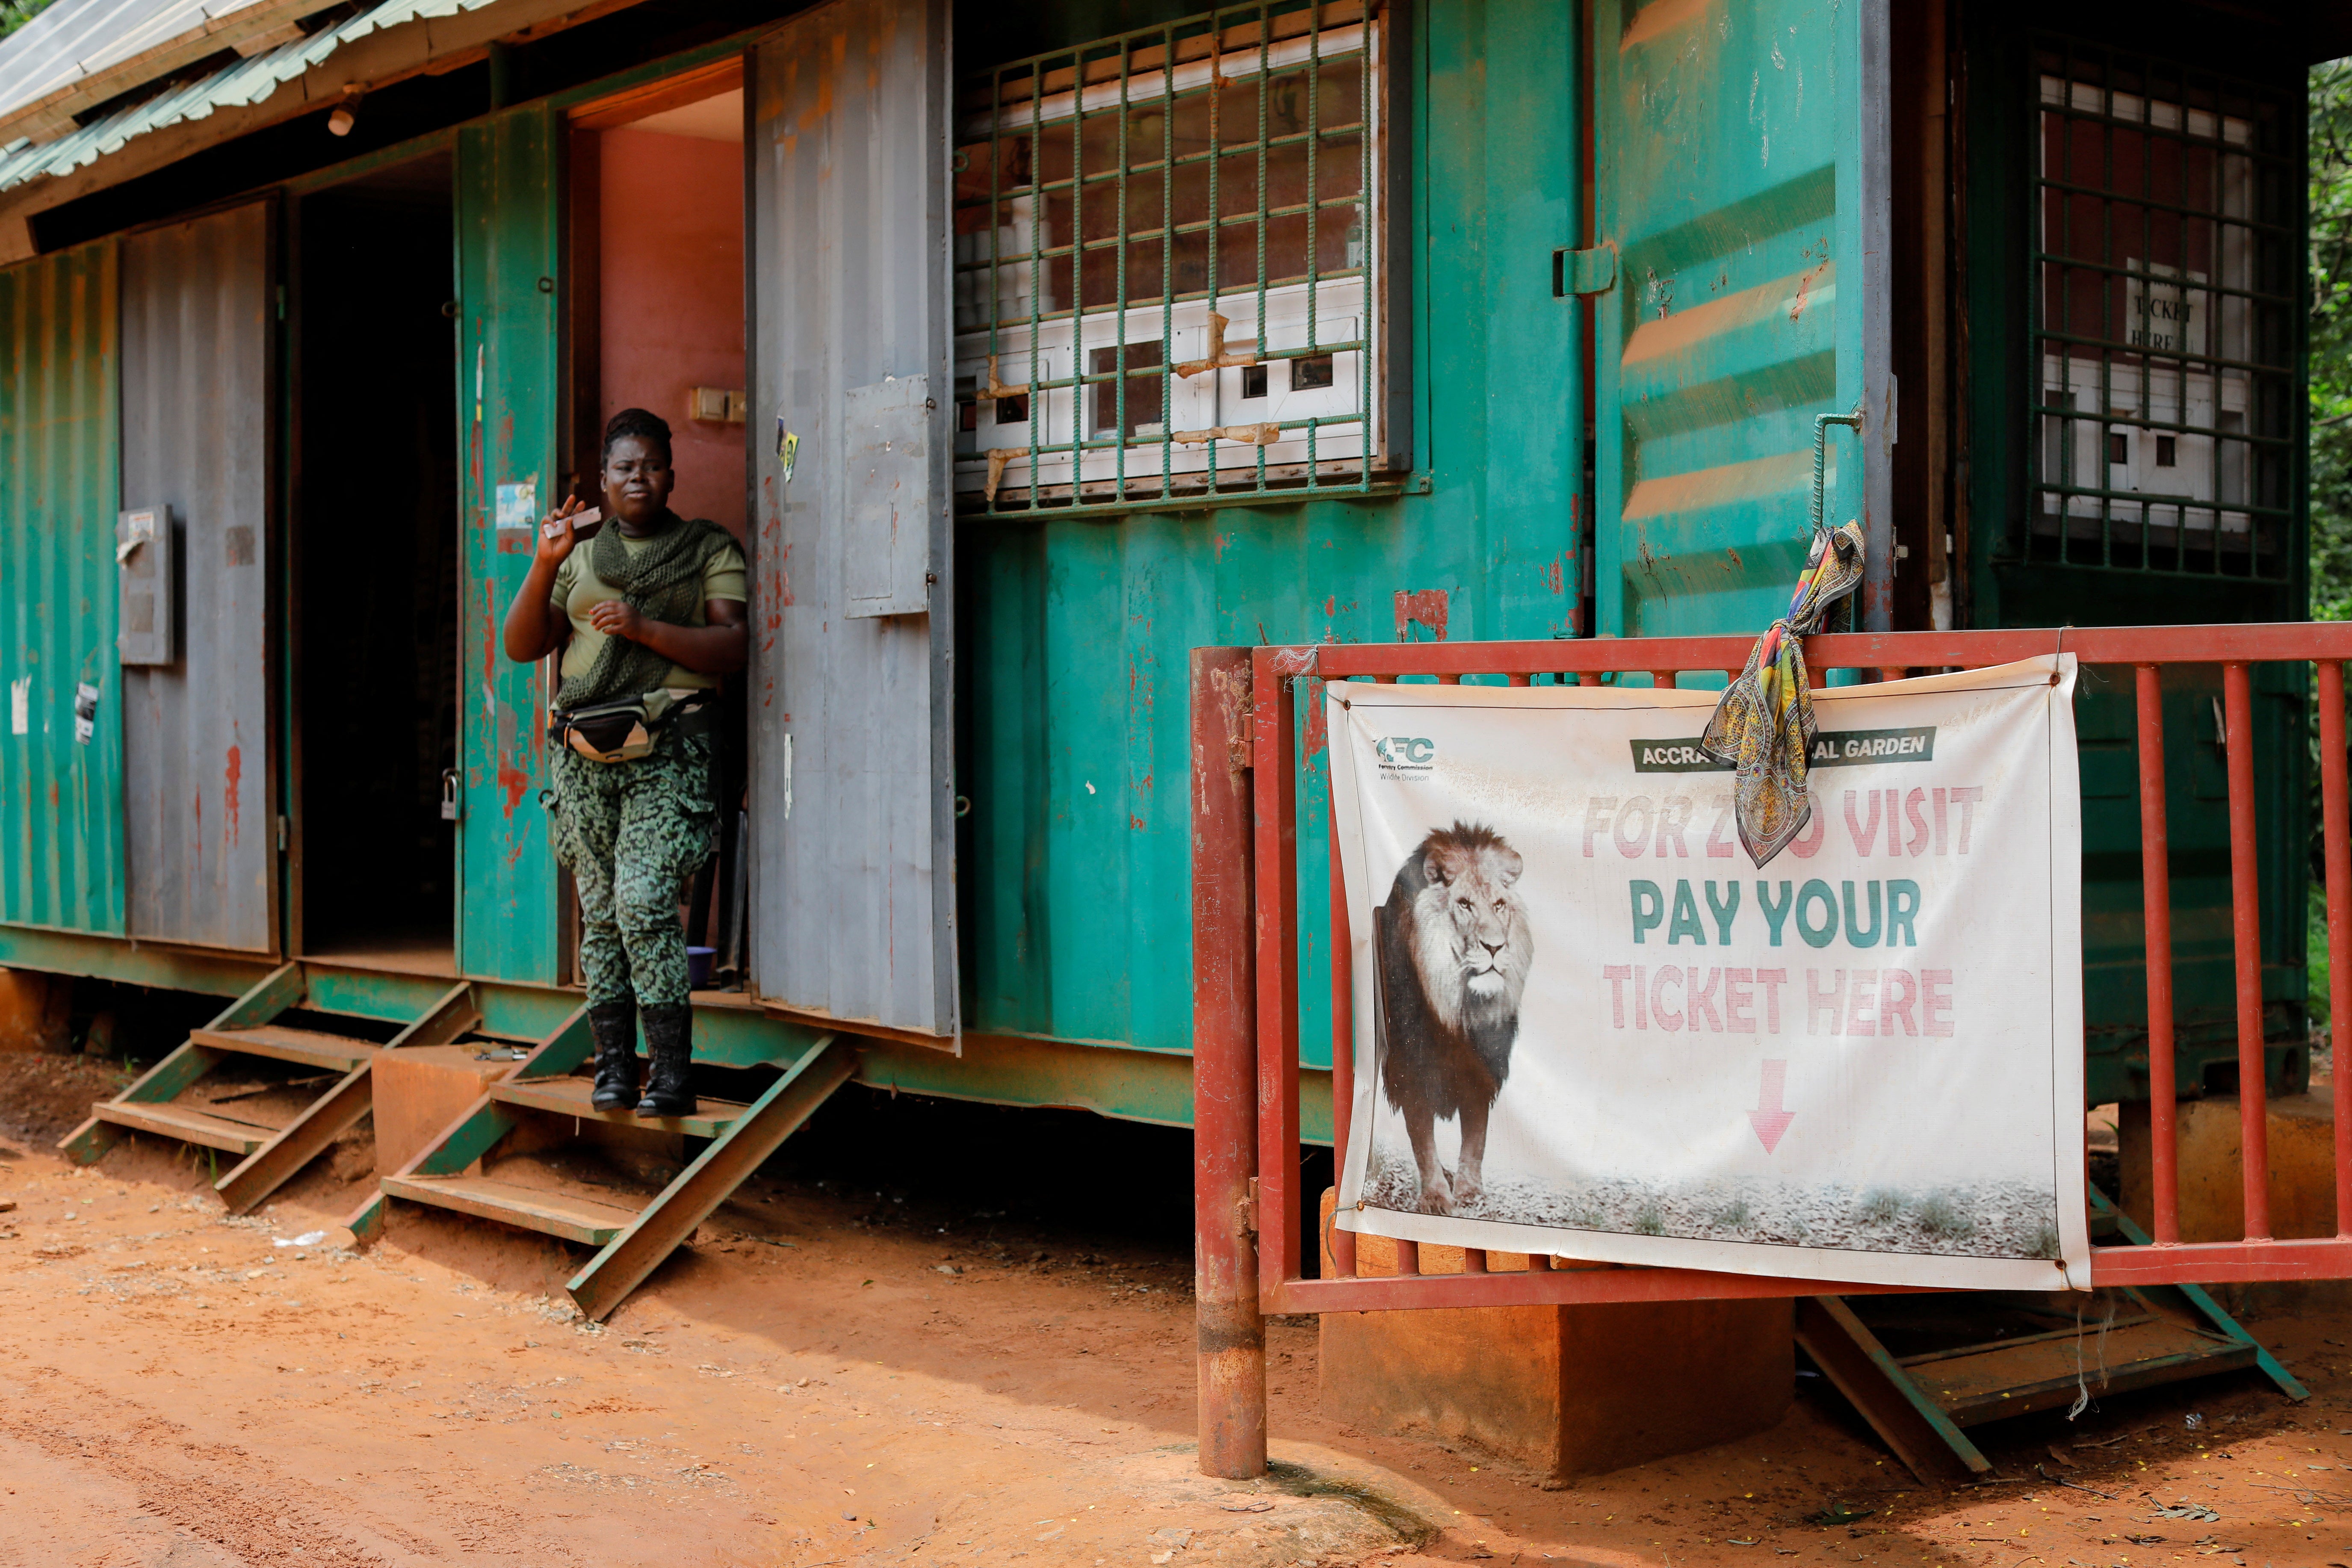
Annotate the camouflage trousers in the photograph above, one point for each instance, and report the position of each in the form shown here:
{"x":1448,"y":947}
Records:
{"x":632,"y":833}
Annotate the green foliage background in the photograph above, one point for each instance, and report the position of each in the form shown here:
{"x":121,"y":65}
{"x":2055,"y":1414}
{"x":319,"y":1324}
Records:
{"x":2331,"y":340}
{"x":14,"y":14}
{"x":2331,"y":400}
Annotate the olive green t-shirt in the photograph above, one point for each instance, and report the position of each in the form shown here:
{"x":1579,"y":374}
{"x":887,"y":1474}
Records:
{"x":577,"y":590}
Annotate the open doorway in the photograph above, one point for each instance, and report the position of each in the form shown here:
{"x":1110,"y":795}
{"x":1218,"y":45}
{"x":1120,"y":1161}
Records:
{"x":656,"y":321}
{"x":375,"y":560}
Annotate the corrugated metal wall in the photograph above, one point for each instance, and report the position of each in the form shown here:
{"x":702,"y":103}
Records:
{"x":61,"y":796}
{"x":198,"y":745}
{"x":853,"y":882}
{"x":1075,"y":860}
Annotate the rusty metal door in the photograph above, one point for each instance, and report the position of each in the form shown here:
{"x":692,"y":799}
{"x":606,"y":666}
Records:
{"x":198,"y":319}
{"x":1743,"y":180}
{"x":852,"y":784}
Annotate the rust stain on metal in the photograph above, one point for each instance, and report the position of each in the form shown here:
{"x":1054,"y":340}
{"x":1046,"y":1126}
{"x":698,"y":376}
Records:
{"x":1805,"y":286}
{"x":1426,"y":607}
{"x":512,"y":780}
{"x":233,"y":774}
{"x":1233,"y":690}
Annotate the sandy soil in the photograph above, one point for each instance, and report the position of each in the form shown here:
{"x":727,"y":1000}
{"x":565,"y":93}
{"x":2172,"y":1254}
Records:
{"x":833,"y":1375}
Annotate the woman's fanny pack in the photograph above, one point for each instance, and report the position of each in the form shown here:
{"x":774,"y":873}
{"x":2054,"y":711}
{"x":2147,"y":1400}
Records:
{"x":629,"y":728}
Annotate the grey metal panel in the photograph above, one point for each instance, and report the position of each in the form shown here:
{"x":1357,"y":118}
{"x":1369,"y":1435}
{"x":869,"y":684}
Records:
{"x":853,"y":791}
{"x":885,"y":460}
{"x":199,"y":814}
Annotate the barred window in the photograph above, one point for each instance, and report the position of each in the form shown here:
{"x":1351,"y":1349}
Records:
{"x":2164,"y":319}
{"x":1166,"y":264}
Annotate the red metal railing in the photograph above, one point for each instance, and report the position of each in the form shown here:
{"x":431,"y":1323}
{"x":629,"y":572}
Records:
{"x":1246,"y":1025}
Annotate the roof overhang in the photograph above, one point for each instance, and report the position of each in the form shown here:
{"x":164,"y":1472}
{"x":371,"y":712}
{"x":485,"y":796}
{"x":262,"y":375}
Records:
{"x":396,"y":40}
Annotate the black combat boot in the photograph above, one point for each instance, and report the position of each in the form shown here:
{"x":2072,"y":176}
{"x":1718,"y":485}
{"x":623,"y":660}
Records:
{"x":669,"y":1042}
{"x":614,"y":1024}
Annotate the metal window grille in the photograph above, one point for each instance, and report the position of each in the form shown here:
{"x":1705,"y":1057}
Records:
{"x":2165,"y":326}
{"x":1166,"y":265}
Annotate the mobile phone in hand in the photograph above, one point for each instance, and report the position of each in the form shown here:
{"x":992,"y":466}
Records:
{"x":585,"y":524}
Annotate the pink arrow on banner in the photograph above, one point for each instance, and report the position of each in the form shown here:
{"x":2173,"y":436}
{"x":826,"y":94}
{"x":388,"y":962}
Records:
{"x":1768,"y":1120}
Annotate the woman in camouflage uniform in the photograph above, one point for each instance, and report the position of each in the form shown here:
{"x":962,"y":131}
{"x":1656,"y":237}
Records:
{"x":650,"y":607}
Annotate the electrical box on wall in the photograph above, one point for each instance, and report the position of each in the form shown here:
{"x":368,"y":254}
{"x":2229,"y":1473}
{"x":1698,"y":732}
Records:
{"x":146,"y":561}
{"x":717,"y":405}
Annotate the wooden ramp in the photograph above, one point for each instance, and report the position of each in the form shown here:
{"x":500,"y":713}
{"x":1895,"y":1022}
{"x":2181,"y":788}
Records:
{"x":1922,"y":1369}
{"x":632,"y":1240}
{"x":165,"y":1100}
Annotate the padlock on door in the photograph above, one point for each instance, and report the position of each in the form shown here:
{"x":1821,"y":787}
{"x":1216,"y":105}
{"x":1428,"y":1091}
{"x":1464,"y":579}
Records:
{"x":453,"y":807}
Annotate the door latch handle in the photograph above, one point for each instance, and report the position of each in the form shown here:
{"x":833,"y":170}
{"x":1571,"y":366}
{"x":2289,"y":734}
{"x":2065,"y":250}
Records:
{"x":1578,"y":273}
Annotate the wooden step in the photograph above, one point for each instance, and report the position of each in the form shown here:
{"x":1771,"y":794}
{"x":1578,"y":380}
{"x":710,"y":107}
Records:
{"x":1990,"y":1382}
{"x":571,"y":1216}
{"x":569,"y":1097}
{"x":309,"y":1047}
{"x":188,"y":1126}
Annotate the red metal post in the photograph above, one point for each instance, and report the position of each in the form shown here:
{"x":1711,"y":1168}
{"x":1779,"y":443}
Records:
{"x":2333,"y":807}
{"x":2245,"y":889}
{"x":2156,"y":915}
{"x":1343,"y":1043}
{"x":1231,"y":1367}
{"x":1275,"y":789}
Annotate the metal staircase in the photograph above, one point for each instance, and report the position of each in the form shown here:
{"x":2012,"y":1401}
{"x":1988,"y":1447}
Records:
{"x":449,"y":1172}
{"x":269,"y":1155}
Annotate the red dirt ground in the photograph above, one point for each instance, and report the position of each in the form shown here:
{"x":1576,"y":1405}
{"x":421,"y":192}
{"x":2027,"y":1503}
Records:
{"x":825,"y":1379}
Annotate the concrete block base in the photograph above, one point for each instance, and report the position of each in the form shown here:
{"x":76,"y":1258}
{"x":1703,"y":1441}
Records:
{"x":419,"y":1090}
{"x":1565,"y":1391}
{"x":2302,"y":1129}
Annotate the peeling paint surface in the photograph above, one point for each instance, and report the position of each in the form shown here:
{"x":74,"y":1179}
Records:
{"x":1424,"y":608}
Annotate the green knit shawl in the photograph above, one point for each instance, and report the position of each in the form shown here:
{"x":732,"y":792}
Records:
{"x":662,"y":581}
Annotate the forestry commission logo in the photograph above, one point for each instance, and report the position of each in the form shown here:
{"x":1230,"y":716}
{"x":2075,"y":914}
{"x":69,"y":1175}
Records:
{"x":1832,"y":749}
{"x":1405,"y":756}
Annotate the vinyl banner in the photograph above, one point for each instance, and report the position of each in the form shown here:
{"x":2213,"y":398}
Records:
{"x":1587,"y":1026}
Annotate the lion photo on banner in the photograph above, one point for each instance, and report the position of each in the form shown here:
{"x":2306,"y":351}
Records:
{"x":1587,"y":1026}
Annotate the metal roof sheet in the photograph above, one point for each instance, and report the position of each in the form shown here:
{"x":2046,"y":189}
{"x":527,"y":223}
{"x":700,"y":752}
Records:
{"x":78,"y":38}
{"x":248,"y":81}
